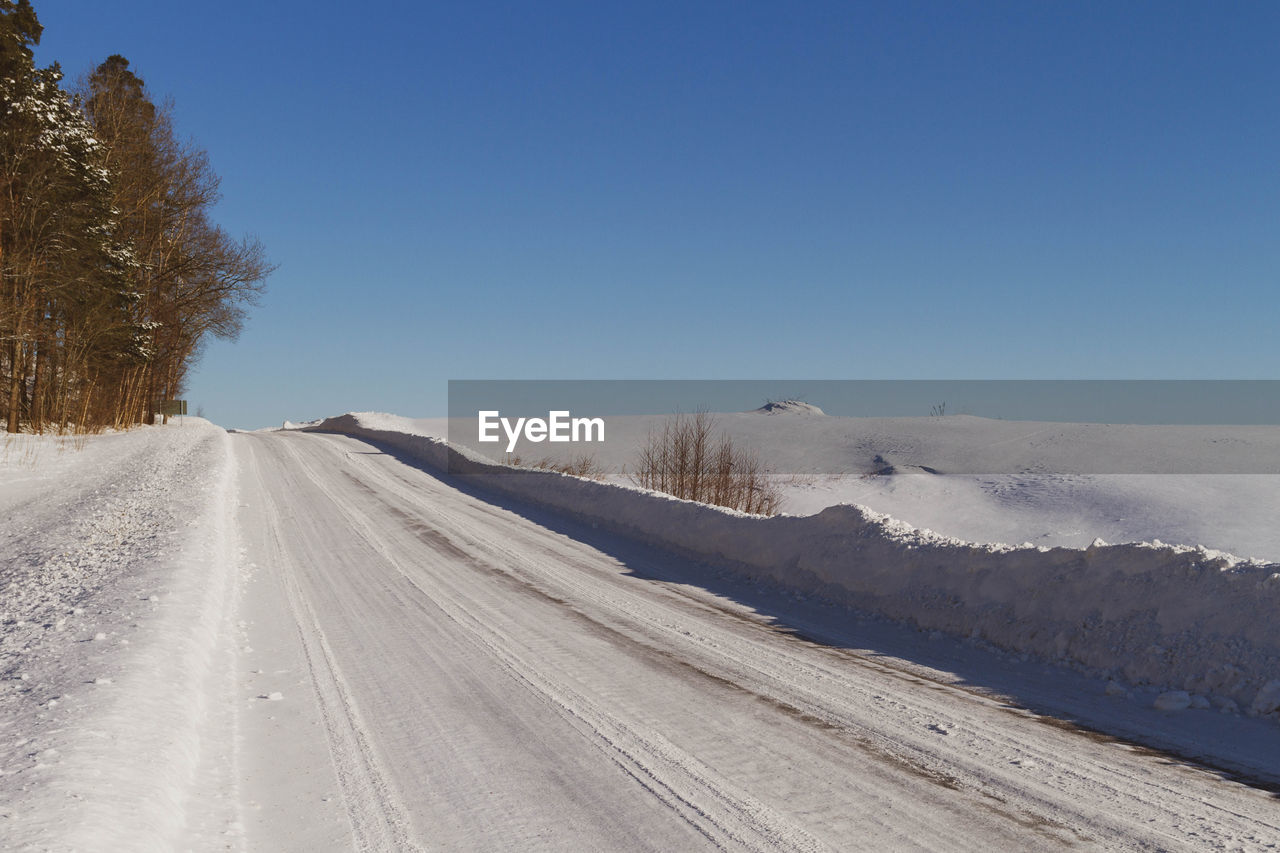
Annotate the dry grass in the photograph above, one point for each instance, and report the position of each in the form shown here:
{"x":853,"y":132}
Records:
{"x":583,"y":465}
{"x":689,"y":459}
{"x":26,"y":449}
{"x":20,"y":451}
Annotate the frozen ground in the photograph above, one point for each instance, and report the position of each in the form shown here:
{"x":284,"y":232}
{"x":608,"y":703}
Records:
{"x":333,"y":646}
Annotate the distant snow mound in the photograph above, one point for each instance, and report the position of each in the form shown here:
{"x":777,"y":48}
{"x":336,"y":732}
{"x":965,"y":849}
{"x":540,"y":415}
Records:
{"x":789,"y":407}
{"x":299,"y":424}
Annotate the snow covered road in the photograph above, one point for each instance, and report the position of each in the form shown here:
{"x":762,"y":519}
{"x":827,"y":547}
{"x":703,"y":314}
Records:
{"x":421,"y":666}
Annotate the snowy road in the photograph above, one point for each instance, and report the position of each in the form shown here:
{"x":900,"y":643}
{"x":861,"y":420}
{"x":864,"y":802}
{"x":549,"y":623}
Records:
{"x":451,"y":674}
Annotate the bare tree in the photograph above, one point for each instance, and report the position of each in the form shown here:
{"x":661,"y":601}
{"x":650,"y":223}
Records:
{"x":688,"y":459}
{"x":193,"y":280}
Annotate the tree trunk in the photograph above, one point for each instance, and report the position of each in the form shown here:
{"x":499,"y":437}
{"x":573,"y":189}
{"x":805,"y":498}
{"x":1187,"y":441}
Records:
{"x":15,"y":382}
{"x":36,"y":410}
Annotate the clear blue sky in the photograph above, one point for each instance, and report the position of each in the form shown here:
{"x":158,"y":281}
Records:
{"x":721,"y":190}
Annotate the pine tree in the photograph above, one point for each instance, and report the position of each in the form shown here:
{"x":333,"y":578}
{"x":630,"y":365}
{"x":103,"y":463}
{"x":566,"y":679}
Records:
{"x":62,"y":260}
{"x":20,"y":30}
{"x":111,"y":273}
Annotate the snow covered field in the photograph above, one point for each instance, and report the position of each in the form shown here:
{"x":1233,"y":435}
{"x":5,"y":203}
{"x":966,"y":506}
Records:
{"x":298,"y":641}
{"x":1005,"y":481}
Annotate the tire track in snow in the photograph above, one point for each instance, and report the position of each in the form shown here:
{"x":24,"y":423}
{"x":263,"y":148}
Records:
{"x":471,"y":550}
{"x":373,"y":805}
{"x":728,"y":817}
{"x":679,"y":649}
{"x":1147,"y":800}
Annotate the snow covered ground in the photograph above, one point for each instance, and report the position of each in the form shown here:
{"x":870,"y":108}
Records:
{"x":117,"y":578}
{"x":298,"y":641}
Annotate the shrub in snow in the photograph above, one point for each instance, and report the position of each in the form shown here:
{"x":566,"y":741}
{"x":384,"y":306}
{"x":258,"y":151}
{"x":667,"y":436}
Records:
{"x":687,"y":459}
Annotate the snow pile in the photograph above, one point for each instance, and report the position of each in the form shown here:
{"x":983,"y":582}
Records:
{"x":291,"y":425}
{"x":116,"y":582}
{"x":789,"y":407}
{"x":1188,"y":618}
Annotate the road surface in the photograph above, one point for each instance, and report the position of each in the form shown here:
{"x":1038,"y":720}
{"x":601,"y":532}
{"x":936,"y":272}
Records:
{"x":424,"y":668}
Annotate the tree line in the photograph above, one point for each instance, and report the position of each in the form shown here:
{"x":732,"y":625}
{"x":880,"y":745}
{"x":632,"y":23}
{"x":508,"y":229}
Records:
{"x":112,"y":275}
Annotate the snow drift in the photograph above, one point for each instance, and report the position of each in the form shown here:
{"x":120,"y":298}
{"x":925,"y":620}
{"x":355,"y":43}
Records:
{"x":1187,"y":617}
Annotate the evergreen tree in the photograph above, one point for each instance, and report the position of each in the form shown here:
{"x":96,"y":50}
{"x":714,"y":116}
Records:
{"x":20,"y":30}
{"x":63,"y":262}
{"x":111,"y":273}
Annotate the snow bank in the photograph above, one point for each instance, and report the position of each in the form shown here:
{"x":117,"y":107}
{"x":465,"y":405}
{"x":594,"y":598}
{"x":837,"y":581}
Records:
{"x":115,"y":608}
{"x":1189,"y":618}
